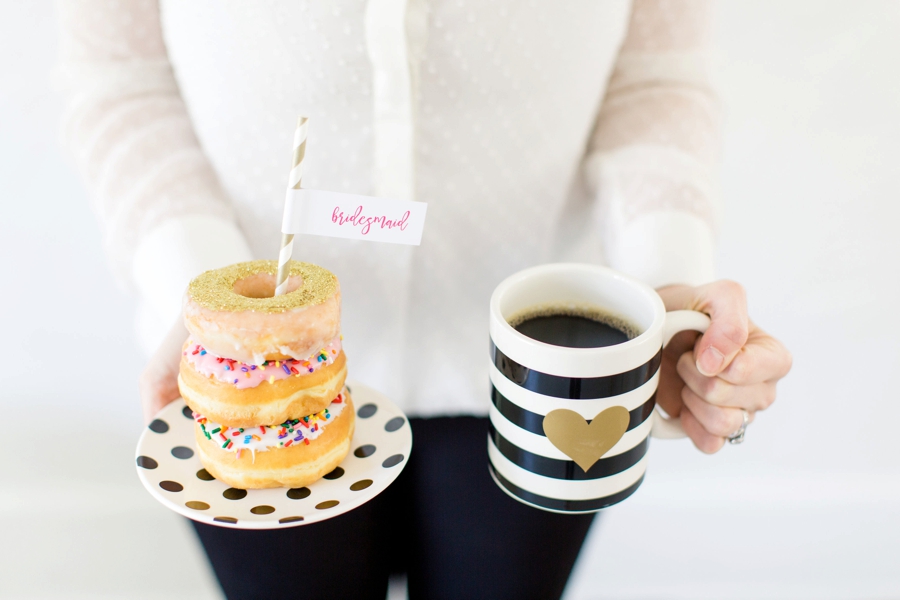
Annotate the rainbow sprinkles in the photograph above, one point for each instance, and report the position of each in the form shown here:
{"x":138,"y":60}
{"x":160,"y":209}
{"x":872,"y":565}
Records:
{"x":243,"y":375}
{"x":264,"y":437}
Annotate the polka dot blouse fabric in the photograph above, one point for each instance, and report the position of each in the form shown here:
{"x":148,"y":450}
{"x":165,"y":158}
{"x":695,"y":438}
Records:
{"x":536,"y":131}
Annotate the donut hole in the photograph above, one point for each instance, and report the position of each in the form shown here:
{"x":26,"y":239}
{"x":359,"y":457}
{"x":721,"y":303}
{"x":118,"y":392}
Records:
{"x":262,"y":285}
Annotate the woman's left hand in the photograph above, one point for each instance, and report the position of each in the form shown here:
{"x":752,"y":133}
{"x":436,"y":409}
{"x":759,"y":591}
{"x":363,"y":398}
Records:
{"x":708,"y":379}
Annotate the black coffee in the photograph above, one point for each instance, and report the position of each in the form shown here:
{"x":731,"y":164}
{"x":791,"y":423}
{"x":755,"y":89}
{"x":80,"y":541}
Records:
{"x":574,"y":328}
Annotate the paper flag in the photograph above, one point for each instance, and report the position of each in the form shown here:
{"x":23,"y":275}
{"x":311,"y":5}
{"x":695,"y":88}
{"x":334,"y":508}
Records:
{"x":332,"y":214}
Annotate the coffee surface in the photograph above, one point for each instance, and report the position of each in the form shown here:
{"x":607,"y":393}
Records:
{"x":570,"y":329}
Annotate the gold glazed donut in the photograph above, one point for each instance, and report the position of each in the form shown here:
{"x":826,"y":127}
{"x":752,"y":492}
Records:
{"x":232,"y":311}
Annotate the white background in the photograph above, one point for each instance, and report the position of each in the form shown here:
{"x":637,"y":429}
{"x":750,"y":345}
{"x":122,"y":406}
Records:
{"x":808,"y":507}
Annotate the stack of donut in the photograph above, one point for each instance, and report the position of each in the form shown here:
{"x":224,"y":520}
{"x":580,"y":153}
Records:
{"x":264,"y":375}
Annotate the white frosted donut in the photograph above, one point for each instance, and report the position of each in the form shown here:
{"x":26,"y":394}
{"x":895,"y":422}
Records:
{"x":232,"y":311}
{"x":293,"y":454}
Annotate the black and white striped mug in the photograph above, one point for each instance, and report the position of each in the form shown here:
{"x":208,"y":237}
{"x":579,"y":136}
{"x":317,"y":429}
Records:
{"x":570,"y":427}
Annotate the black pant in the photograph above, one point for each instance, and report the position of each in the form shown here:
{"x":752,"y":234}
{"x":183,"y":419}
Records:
{"x":443,"y":522}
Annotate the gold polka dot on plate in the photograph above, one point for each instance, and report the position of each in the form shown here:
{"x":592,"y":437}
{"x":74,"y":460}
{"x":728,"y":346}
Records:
{"x":235,"y":493}
{"x":171,"y":486}
{"x":226,"y":519}
{"x":298,"y":493}
{"x":290,"y":519}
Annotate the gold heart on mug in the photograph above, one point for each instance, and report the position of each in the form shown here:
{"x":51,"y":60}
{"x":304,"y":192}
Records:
{"x":586,"y":442}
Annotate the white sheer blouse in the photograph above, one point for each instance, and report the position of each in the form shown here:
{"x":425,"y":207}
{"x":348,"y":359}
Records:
{"x":536,"y":131}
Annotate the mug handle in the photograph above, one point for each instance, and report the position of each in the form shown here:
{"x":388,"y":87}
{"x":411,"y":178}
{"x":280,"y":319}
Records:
{"x":676,"y":322}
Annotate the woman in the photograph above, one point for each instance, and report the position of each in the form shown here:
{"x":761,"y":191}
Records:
{"x":536,"y":132}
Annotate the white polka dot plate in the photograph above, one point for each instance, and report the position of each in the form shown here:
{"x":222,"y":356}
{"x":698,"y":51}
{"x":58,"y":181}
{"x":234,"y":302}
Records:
{"x":169,"y":468}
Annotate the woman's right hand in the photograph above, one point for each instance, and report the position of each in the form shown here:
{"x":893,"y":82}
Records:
{"x":159,"y":380}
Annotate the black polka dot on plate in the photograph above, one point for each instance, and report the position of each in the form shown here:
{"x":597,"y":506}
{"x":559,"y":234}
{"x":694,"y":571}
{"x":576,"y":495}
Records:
{"x":392,"y":461}
{"x":298,"y":493}
{"x":145,"y":462}
{"x":158,"y":426}
{"x":361,"y":485}
{"x":290,"y":519}
{"x":348,"y":389}
{"x":225,"y":519}
{"x":205,"y":475}
{"x":171,"y":486}
{"x":234,"y":494}
{"x":262,"y":510}
{"x":394,"y":424}
{"x":366,"y":410}
{"x":364,"y":451}
{"x":197,"y":505}
{"x":327,"y":504}
{"x":336,"y":474}
{"x":182,"y":452}
{"x":187,"y":412}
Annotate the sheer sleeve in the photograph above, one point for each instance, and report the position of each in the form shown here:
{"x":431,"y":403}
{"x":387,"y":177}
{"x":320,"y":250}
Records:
{"x":652,"y":154}
{"x":163,"y":214}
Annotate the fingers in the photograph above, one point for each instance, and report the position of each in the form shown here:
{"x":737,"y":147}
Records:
{"x":705,"y":441}
{"x":719,"y":392}
{"x":726,"y":304}
{"x":716,"y":420}
{"x":733,"y":366}
{"x":668,"y":394}
{"x":157,"y":390}
{"x":763,"y":358}
{"x":158,"y":383}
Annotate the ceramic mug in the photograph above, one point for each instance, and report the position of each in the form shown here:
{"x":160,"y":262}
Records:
{"x":570,"y":427}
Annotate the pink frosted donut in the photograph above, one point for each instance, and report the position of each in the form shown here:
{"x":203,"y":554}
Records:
{"x":232,"y":312}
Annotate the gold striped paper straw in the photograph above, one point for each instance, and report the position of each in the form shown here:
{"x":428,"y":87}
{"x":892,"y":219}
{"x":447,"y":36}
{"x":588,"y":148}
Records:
{"x":287,"y":239}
